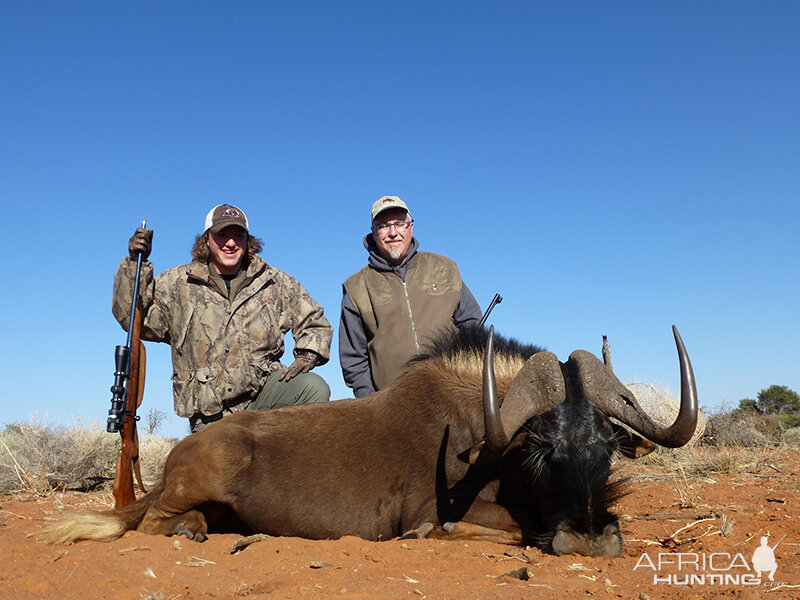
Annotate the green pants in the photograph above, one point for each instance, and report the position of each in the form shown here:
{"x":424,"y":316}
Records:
{"x":301,"y":389}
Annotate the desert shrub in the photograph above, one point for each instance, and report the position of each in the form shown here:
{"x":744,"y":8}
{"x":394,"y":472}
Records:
{"x":791,"y":437}
{"x":746,"y":429}
{"x":728,"y":430}
{"x":40,"y":458}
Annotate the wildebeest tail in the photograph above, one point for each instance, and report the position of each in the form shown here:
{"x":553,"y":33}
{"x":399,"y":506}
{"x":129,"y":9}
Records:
{"x":101,"y":526}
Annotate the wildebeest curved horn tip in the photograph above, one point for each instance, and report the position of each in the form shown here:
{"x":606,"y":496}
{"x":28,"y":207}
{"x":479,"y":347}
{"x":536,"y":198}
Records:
{"x":496,"y":437}
{"x":684,"y":426}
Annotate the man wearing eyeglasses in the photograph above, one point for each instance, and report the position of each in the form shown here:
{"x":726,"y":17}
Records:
{"x":399,"y":303}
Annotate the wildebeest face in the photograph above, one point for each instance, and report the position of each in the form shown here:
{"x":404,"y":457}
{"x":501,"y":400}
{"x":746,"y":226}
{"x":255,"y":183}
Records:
{"x":567,"y":441}
{"x":567,"y":464}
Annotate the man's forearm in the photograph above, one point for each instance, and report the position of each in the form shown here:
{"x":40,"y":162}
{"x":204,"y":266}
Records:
{"x":468,"y":312}
{"x":353,"y":353}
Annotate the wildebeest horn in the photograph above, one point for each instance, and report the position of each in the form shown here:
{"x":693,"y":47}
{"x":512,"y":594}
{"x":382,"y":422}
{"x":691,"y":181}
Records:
{"x":496,"y":437}
{"x":608,"y":394}
{"x":538,"y":387}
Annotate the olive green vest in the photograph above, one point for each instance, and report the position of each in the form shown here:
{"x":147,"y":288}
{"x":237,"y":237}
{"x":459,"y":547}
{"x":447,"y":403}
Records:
{"x":402,"y":319}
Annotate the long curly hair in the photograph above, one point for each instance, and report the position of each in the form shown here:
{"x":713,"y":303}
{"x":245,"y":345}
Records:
{"x":201,"y":253}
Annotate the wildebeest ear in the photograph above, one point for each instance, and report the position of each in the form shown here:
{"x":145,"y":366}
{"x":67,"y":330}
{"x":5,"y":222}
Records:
{"x":631,"y":445}
{"x":537,"y":388}
{"x":479,"y":454}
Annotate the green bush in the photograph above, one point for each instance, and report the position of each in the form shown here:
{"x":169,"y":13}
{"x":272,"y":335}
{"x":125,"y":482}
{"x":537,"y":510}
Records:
{"x":776,"y":401}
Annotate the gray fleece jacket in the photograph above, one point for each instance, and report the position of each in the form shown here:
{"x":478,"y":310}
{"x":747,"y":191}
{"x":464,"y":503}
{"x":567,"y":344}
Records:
{"x":353,"y":336}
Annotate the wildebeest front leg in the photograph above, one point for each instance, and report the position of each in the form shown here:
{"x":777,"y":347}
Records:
{"x":463,"y":530}
{"x":484,"y":521}
{"x":200,"y":473}
{"x":175,"y":512}
{"x":190,"y":524}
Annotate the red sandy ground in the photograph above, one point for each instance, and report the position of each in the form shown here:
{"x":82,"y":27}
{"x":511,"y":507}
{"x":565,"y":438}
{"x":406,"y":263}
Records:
{"x":762,"y":501}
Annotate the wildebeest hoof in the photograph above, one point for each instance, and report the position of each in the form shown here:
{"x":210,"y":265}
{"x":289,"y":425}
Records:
{"x":420,"y":533}
{"x":448,"y":527}
{"x":195,"y":536}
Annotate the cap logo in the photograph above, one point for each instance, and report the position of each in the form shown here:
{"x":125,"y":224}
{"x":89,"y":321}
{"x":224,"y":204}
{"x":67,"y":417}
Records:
{"x":225,"y":214}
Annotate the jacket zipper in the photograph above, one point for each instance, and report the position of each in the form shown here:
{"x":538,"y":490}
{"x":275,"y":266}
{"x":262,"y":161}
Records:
{"x":411,"y":316}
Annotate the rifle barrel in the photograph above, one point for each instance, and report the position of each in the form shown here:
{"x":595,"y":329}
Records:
{"x":496,"y":300}
{"x":135,"y":289}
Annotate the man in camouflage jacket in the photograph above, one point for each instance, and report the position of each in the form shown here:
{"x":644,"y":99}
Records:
{"x":225,"y":315}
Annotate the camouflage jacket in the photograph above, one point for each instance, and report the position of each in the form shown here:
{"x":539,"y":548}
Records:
{"x":223,"y":349}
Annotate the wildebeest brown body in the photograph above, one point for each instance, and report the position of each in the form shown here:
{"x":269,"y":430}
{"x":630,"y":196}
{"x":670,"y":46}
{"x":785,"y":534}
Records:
{"x":353,"y":467}
{"x":424,"y":452}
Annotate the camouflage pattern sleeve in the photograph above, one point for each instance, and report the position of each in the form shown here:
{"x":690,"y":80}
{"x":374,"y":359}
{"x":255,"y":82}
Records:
{"x":153,"y":328}
{"x":305,"y":317}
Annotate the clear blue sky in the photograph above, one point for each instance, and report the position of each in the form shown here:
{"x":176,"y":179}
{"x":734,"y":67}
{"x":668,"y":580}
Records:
{"x":608,"y":167}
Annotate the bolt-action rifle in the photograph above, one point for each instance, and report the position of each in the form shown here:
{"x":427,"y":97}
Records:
{"x":127,"y":393}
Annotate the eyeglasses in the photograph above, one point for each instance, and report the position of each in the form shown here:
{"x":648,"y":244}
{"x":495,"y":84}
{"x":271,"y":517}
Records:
{"x":398,"y":225}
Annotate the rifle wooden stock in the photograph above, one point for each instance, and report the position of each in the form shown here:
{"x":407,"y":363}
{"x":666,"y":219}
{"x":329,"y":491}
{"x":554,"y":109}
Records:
{"x":128,"y":456}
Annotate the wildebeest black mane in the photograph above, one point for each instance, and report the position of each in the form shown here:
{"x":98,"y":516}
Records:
{"x":473,"y":340}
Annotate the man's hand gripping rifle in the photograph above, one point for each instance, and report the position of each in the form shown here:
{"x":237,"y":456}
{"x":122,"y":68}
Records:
{"x":127,"y":393}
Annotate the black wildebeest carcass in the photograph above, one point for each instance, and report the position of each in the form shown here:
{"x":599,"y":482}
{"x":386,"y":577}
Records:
{"x":516,"y":451}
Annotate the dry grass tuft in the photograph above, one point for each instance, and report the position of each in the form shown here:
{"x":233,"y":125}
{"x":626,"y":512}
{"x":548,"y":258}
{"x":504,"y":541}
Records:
{"x":688,"y":492}
{"x":791,"y":437}
{"x":153,"y":451}
{"x":40,"y":458}
{"x":702,"y":462}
